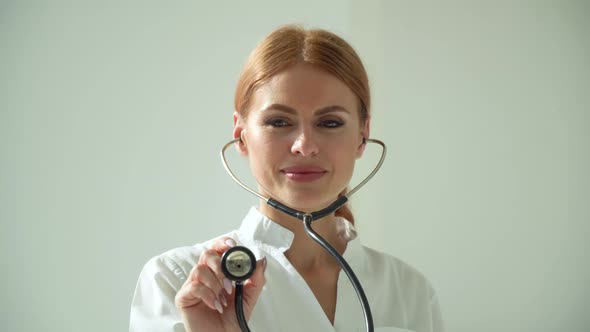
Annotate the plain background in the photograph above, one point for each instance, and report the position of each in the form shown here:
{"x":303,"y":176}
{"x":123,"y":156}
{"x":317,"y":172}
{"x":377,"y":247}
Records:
{"x":113,"y":113}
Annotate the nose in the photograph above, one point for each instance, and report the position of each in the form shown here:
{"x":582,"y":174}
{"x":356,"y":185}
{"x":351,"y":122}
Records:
{"x":305,"y":144}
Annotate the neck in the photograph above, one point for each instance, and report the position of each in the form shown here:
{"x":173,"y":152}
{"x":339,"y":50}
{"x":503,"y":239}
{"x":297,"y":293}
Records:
{"x":305,"y":254}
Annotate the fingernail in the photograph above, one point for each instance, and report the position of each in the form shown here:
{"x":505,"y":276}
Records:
{"x":218,"y":306}
{"x":230,"y":242}
{"x":223,"y":299}
{"x":227,"y":285}
{"x":264,"y":264}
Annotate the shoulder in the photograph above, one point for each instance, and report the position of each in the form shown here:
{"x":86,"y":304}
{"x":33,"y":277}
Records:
{"x":174,"y":265}
{"x":152,"y":307}
{"x":399,"y":285}
{"x":402,"y":273}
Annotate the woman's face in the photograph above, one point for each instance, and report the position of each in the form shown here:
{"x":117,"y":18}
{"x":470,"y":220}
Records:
{"x":302,"y":135}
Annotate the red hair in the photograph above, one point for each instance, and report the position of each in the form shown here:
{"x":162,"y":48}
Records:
{"x":292,"y":44}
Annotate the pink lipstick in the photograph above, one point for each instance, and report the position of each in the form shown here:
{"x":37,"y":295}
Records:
{"x":303,"y":173}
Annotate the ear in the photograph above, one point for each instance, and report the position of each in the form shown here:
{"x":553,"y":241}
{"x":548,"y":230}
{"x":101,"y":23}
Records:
{"x":239,"y":132}
{"x":365,"y":133}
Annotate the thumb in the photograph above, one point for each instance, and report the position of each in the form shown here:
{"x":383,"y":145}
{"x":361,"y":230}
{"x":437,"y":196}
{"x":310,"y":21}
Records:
{"x":254,"y":285}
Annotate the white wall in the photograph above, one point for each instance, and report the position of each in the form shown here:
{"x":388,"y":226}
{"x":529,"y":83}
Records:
{"x":111,"y":118}
{"x":486,"y":109}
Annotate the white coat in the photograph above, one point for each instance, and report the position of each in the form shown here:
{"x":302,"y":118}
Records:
{"x":401,"y":299}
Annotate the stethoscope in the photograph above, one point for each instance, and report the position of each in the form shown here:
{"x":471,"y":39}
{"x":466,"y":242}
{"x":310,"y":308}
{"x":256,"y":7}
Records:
{"x":238,"y":263}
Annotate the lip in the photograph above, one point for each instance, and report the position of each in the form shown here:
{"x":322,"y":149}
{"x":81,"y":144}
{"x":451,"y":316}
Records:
{"x":303,"y":173}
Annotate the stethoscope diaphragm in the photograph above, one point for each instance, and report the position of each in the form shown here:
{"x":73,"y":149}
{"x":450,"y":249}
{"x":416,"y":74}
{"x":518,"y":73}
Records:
{"x":238,"y":263}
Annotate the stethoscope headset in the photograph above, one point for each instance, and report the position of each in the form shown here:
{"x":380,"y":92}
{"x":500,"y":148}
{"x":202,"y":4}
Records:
{"x":239,"y":263}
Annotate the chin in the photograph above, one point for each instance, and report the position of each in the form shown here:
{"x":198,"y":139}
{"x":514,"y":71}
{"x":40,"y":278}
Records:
{"x":308,"y":203}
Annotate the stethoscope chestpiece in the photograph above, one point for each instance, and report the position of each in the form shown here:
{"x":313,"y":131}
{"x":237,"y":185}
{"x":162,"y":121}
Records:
{"x":238,"y":263}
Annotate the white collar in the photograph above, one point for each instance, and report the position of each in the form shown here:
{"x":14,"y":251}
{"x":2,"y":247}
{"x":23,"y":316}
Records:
{"x":260,"y":229}
{"x":264,"y":232}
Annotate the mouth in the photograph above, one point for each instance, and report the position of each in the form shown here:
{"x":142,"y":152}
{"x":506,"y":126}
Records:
{"x":304,"y":173}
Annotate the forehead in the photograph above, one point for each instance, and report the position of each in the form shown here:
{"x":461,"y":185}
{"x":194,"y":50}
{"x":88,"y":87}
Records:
{"x":305,"y":87}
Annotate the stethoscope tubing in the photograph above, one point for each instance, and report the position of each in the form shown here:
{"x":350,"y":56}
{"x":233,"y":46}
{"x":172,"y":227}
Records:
{"x":348,"y":270}
{"x":348,"y":194}
{"x":239,"y":304}
{"x":307,"y":219}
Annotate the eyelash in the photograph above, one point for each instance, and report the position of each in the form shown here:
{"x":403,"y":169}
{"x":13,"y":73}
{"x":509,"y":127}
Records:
{"x":280,"y":123}
{"x":276,"y":123}
{"x":331,"y":124}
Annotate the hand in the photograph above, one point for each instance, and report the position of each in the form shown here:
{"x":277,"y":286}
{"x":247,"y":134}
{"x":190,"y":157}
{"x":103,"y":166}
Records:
{"x":206,"y":299}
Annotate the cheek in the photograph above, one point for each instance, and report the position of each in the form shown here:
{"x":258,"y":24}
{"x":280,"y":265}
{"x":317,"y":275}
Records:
{"x":263,"y":156}
{"x":344,"y":148}
{"x":344,"y":158}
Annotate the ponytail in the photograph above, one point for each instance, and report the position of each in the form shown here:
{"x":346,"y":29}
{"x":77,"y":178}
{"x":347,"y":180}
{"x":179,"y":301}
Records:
{"x":344,"y":211}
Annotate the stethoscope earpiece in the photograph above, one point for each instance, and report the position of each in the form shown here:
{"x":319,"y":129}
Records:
{"x":238,"y":263}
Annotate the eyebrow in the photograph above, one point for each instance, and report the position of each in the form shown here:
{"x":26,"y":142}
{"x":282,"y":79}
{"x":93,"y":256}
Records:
{"x":290,"y":110}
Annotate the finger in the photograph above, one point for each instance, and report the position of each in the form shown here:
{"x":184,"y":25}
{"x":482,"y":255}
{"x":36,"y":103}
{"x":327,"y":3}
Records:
{"x":222,"y":244}
{"x":208,"y":278}
{"x":211,"y":258}
{"x":193,"y":293}
{"x":213,"y":261}
{"x":258,"y":279}
{"x":254,"y":285}
{"x":201,"y":273}
{"x":206,"y":295}
{"x":184,"y":298}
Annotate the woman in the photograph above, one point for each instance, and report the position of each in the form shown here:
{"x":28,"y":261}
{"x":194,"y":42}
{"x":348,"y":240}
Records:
{"x":302,"y":116}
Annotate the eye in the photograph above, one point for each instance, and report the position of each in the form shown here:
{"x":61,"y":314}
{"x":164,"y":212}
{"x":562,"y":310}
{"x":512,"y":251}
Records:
{"x":330,"y":123}
{"x":276,"y":122}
